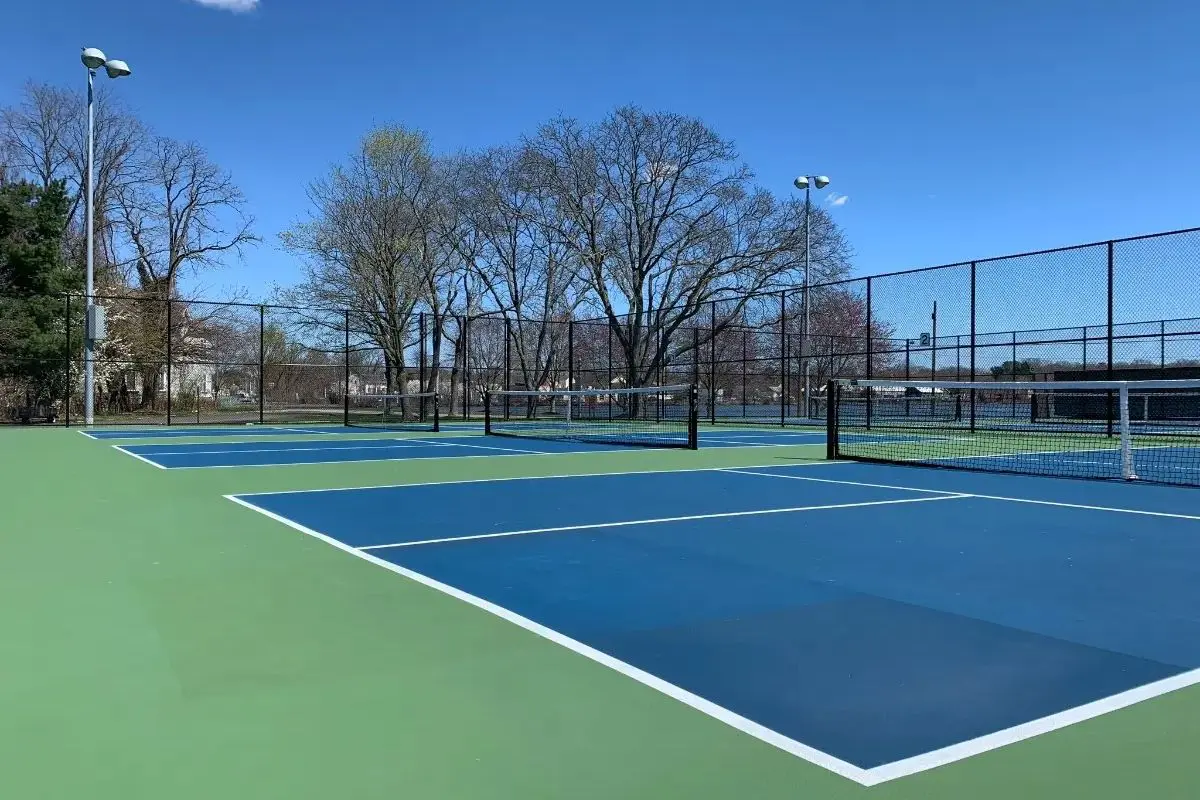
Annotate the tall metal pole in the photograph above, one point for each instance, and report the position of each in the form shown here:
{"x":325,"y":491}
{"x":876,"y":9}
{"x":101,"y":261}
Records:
{"x":804,"y":327}
{"x":88,"y":344}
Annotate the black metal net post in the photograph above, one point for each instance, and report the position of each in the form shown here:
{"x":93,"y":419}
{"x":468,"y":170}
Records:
{"x":693,"y":432}
{"x":832,"y":389}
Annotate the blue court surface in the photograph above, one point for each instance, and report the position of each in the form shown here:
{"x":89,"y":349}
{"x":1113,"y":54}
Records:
{"x":343,"y":450}
{"x":876,"y":620}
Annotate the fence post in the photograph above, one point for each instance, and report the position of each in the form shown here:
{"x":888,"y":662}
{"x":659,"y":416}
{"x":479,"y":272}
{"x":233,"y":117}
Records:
{"x":783,"y":361}
{"x":907,"y":374}
{"x":610,"y":371}
{"x":1162,"y":348}
{"x":744,"y":357}
{"x":507,"y":363}
{"x":712,"y":363}
{"x":1014,"y":372}
{"x":262,"y":361}
{"x":422,"y":386}
{"x":972,"y":398}
{"x":570,"y":354}
{"x":870,"y":367}
{"x":168,"y":361}
{"x":67,"y":388}
{"x":1109,"y":371}
{"x":346,"y":377}
{"x":466,"y":366}
{"x":696,"y":358}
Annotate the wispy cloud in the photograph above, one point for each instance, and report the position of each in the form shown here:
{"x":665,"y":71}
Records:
{"x":237,"y":6}
{"x":835,"y":199}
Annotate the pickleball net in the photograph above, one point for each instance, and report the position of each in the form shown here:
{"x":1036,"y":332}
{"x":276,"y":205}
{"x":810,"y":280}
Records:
{"x":656,"y":416}
{"x":1131,"y":430}
{"x":402,"y":412}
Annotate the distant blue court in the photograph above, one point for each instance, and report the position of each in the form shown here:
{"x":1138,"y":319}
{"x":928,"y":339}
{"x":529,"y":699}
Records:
{"x":337,"y":450}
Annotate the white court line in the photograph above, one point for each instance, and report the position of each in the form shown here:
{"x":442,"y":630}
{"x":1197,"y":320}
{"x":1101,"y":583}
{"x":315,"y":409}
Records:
{"x":740,"y":443}
{"x":1026,"y":500}
{"x":1027,"y":730}
{"x":659,"y":521}
{"x":139,"y":458}
{"x":360,"y":435}
{"x":89,"y":435}
{"x":386,"y":460}
{"x":780,"y":435}
{"x":746,"y":471}
{"x":478,"y":446}
{"x":747,"y":726}
{"x":564,"y":476}
{"x":274,"y":449}
{"x":1156,"y":466}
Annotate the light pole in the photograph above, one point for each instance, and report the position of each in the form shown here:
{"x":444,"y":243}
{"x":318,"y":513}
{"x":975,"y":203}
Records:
{"x":93,"y":59}
{"x":806,"y":182}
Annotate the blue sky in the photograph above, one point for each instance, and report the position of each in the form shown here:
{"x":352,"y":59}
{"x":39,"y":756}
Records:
{"x":952,"y":130}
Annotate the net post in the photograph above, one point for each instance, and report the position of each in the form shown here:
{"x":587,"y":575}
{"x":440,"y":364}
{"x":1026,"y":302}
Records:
{"x":437,"y":414}
{"x":693,"y":433}
{"x":832,"y":400}
{"x":487,"y":413}
{"x":169,"y":361}
{"x":1127,"y":470}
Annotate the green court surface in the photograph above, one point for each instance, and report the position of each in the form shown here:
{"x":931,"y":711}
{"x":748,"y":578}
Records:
{"x":163,"y":642}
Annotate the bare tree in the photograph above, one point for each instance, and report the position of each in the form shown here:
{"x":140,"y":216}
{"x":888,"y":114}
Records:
{"x":37,"y":132}
{"x":366,"y":242}
{"x":44,"y":137}
{"x":662,"y":219}
{"x":179,"y":214}
{"x":527,"y":271}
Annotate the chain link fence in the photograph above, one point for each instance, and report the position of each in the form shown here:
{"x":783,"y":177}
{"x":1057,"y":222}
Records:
{"x":1111,"y":310}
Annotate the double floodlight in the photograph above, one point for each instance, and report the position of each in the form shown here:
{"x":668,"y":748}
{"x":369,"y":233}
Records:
{"x":94,"y":59}
{"x":820,"y":181}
